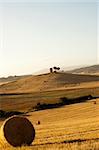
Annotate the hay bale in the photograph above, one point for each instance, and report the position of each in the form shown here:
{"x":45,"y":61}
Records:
{"x":94,"y":102}
{"x":38,"y":122}
{"x":17,"y":131}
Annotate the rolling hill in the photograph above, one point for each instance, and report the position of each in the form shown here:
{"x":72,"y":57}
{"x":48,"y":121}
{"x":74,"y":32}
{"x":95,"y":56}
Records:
{"x":46,"y":82}
{"x":92,"y":70}
{"x":72,"y":126}
{"x":5,"y":80}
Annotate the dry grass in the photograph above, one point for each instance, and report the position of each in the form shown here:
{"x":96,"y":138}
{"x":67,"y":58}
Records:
{"x":47,"y":82}
{"x":26,"y":101}
{"x":73,"y":127}
{"x":48,"y":88}
{"x":91,"y":145}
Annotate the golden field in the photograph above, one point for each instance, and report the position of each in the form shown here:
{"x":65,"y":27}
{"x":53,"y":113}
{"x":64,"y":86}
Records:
{"x":71,"y":127}
{"x":48,"y":82}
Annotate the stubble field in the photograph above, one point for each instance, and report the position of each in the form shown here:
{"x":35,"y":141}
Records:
{"x":72,"y":127}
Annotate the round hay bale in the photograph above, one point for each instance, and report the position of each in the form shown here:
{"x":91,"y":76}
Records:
{"x":38,"y":122}
{"x":94,"y":102}
{"x":17,"y":131}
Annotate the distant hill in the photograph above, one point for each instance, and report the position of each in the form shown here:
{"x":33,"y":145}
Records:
{"x":5,"y":80}
{"x":45,"y":82}
{"x":91,"y":70}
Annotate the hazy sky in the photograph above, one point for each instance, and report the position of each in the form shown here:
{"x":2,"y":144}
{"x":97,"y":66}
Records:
{"x":38,"y":34}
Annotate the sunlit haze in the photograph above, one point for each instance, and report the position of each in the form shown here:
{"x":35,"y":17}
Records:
{"x":40,"y":34}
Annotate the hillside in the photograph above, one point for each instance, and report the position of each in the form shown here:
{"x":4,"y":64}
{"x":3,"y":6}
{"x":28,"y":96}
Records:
{"x":5,"y":80}
{"x":46,"y":82}
{"x":93,"y":70}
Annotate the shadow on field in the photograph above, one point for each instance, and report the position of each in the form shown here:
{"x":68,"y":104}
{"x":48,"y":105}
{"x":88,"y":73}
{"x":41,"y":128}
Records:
{"x":6,"y":114}
{"x":42,"y":106}
{"x":79,"y":140}
{"x":67,"y":142}
{"x":63,"y":101}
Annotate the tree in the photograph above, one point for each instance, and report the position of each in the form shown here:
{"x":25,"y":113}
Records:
{"x":56,"y":68}
{"x":51,"y":70}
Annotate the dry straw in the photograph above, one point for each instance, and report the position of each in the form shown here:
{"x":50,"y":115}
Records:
{"x":17,"y":131}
